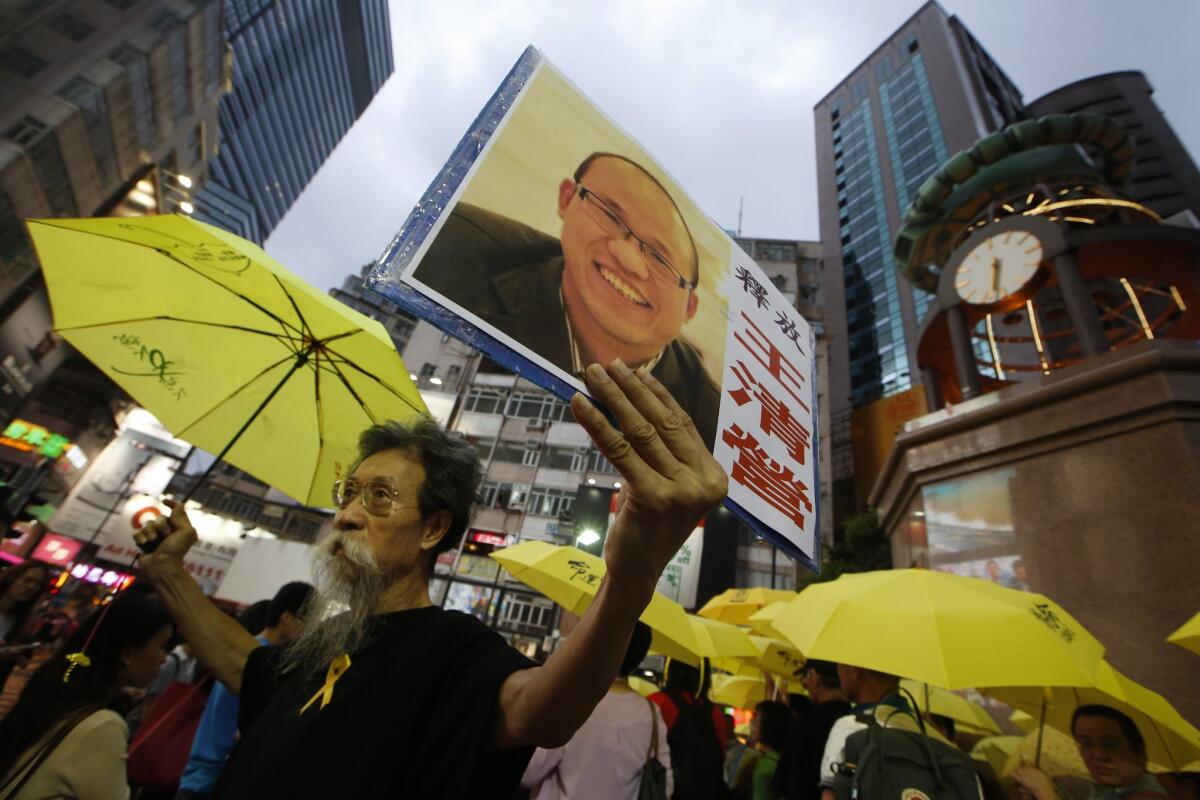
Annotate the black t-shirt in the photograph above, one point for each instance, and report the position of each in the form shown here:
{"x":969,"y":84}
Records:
{"x":798,"y":774}
{"x":410,"y":718}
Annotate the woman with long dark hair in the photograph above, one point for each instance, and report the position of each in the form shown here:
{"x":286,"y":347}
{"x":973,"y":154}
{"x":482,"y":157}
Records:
{"x":20,"y":589}
{"x":64,"y":737}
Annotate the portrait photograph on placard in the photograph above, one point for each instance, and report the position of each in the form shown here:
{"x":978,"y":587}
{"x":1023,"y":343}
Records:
{"x":552,"y":240}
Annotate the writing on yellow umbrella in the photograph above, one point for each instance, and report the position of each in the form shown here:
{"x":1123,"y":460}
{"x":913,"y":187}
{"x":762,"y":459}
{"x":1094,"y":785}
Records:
{"x":337,"y":668}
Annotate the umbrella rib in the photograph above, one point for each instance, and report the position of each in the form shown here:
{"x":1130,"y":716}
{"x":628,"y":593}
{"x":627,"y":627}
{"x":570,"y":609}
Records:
{"x":373,"y":377}
{"x":233,"y":394}
{"x":180,"y":262}
{"x":303,"y":322}
{"x":320,"y":420}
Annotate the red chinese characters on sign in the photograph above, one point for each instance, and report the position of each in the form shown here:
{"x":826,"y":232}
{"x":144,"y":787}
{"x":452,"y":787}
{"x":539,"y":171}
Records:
{"x":759,"y":346}
{"x":774,"y":482}
{"x":776,"y":418}
{"x":766,"y":477}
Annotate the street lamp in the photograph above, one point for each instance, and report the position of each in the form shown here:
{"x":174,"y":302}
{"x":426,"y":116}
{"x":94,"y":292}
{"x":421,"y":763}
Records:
{"x":587,"y":537}
{"x":186,"y":207}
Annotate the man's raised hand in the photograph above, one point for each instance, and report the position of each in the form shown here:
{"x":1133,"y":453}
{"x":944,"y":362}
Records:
{"x":671,"y":480}
{"x":166,"y":539}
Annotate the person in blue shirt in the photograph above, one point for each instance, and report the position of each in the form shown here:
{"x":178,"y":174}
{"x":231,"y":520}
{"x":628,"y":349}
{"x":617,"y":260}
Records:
{"x":218,"y":729}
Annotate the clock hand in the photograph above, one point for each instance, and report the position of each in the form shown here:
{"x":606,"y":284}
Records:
{"x":996,"y":276}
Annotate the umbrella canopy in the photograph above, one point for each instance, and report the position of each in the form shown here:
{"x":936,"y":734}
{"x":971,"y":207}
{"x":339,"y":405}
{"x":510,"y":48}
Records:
{"x":739,"y":691}
{"x":1188,"y":635}
{"x":762,"y":621}
{"x":941,"y":629}
{"x":771,"y":655}
{"x":1171,"y":742}
{"x":571,"y":578}
{"x":968,"y":716}
{"x":996,"y":750}
{"x":224,"y":345}
{"x":718,"y":640}
{"x":736,"y":605}
{"x":642,"y":686}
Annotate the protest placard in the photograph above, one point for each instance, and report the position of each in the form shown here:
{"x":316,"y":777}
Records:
{"x":551,"y":240}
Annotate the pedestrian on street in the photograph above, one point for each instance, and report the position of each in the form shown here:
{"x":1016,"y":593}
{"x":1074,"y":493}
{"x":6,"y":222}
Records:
{"x":605,"y":757}
{"x":66,"y":736}
{"x":1114,"y":752}
{"x":798,"y":776}
{"x":21,"y":587}
{"x":384,"y":694}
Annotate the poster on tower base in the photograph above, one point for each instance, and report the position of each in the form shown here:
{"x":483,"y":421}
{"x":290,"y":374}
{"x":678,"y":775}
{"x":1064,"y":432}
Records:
{"x":551,"y":240}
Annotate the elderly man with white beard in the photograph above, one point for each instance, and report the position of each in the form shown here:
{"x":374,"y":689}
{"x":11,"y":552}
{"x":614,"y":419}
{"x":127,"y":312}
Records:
{"x":397,"y":697}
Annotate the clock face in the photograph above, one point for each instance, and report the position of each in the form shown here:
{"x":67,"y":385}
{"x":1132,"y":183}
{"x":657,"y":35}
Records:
{"x":998,"y":267}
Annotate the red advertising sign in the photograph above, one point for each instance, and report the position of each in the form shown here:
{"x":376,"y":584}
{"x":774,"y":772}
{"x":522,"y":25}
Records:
{"x":56,"y":549}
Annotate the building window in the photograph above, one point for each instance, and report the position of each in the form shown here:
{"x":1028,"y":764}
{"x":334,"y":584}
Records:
{"x":26,"y":132}
{"x":122,"y":5}
{"x":137,"y":69}
{"x":20,"y":61}
{"x":601,"y":464}
{"x":570,"y":459}
{"x":484,"y":401}
{"x":537,"y":406}
{"x":550,"y":502}
{"x":172,"y":28}
{"x":89,"y":99}
{"x":196,"y":143}
{"x":70,"y":26}
{"x":516,"y":453}
{"x":428,"y":371}
{"x":910,"y":44}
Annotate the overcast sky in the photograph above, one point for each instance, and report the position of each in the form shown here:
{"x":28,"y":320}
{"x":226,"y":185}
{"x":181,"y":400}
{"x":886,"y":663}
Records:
{"x":720,"y":92}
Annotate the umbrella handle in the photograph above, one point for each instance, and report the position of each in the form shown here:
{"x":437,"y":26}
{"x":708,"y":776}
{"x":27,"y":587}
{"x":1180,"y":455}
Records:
{"x":1037,"y":756}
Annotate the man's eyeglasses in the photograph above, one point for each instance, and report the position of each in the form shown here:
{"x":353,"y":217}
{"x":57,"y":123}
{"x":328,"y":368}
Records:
{"x":377,"y":496}
{"x":612,"y":224}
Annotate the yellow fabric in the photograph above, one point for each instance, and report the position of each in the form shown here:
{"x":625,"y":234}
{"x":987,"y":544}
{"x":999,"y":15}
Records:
{"x":968,"y":716}
{"x":771,"y":655}
{"x":739,"y":691}
{"x":1059,"y":756}
{"x":941,"y":629}
{"x":1188,"y":635}
{"x":200,"y":326}
{"x":735,"y":606}
{"x":761,"y":621}
{"x":1171,"y":742}
{"x":642,"y":686}
{"x":995,"y":750}
{"x":337,"y":668}
{"x":571,"y":578}
{"x":720,"y":639}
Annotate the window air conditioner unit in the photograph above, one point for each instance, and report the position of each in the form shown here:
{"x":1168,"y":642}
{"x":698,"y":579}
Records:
{"x":518,"y":496}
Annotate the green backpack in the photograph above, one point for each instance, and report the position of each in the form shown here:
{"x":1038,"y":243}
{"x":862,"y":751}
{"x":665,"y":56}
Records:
{"x":883,"y":763}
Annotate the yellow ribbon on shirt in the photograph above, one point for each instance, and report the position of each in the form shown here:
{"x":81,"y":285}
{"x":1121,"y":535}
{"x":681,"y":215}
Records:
{"x":337,"y":668}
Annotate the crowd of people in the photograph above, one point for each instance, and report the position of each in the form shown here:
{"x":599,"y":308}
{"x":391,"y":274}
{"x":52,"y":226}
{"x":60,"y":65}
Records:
{"x":357,"y":686}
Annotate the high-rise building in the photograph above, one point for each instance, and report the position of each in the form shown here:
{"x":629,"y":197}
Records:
{"x":925,"y":93}
{"x":110,"y":107}
{"x":303,"y":72}
{"x":1165,"y":177}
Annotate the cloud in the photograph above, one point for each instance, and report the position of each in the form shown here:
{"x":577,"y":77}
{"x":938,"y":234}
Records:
{"x":721,"y":92}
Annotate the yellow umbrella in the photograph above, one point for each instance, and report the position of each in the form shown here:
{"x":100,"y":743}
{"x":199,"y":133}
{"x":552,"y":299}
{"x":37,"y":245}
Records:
{"x":1188,"y":635}
{"x":995,"y":750}
{"x":771,"y":655}
{"x":571,"y":578}
{"x":642,"y":686}
{"x":739,"y":691}
{"x":720,"y":639}
{"x":736,"y":605}
{"x":1056,"y":754}
{"x":230,"y":350}
{"x":762,"y":621}
{"x":941,"y":629}
{"x":1024,"y":722}
{"x":968,"y":716}
{"x":1171,"y":741}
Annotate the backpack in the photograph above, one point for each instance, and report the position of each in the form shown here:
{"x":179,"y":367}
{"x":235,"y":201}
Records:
{"x":696,"y":758}
{"x":883,"y":763}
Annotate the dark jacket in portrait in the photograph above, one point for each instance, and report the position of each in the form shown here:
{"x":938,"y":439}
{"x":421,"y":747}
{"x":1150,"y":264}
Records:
{"x":508,"y":274}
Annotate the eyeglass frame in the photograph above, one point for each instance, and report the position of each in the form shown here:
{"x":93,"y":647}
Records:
{"x":342,"y":504}
{"x":643,"y":246}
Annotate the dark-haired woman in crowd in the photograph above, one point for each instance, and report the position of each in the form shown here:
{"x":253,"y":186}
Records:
{"x":67,"y":738}
{"x":21,"y":587}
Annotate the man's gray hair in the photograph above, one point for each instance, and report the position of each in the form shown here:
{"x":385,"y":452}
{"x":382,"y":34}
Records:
{"x":451,"y":464}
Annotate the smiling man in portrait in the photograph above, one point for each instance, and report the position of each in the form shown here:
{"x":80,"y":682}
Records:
{"x":620,"y":282}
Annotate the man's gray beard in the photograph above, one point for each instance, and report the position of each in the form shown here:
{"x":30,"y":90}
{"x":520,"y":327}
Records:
{"x":347,"y":592}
